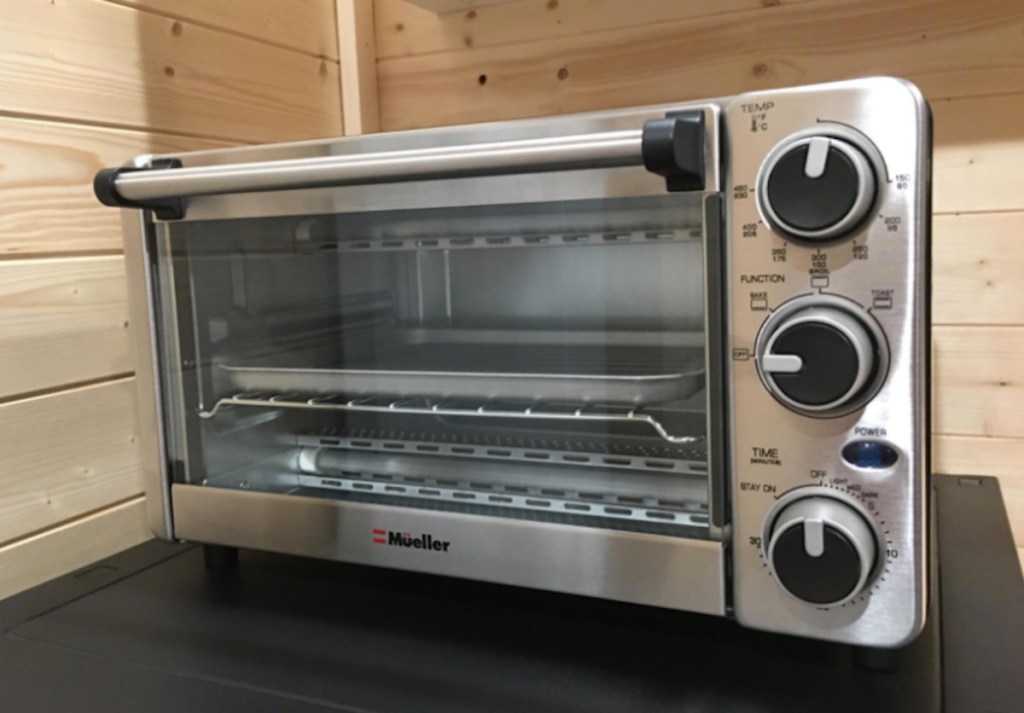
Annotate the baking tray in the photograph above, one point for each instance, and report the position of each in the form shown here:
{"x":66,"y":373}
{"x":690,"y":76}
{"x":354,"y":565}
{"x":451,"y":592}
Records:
{"x":592,"y":367}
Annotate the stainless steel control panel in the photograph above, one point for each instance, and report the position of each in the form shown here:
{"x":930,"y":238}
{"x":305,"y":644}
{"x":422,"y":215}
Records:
{"x":826,"y":255}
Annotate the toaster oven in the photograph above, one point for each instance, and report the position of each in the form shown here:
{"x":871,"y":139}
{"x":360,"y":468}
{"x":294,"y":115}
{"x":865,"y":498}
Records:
{"x":674,"y":355}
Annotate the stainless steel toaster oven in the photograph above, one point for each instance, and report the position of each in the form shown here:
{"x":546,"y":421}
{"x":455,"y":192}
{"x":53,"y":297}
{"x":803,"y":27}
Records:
{"x":674,"y":355}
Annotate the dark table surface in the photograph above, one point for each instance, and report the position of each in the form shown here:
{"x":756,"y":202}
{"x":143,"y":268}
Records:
{"x":152,"y":630}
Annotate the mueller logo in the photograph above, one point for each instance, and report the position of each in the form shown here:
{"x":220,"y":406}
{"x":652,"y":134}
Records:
{"x":405,"y":539}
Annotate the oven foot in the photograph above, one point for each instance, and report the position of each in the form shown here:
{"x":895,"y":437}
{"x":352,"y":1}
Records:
{"x":869,"y":659}
{"x":220,"y":557}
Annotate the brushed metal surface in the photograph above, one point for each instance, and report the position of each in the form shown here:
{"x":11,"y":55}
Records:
{"x":775,"y":450}
{"x":140,"y":266}
{"x":670,"y":572}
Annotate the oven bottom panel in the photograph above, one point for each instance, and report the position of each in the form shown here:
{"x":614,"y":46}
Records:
{"x":670,"y":572}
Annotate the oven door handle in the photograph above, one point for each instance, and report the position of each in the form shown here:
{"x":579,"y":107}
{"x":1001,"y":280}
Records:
{"x":672,"y":147}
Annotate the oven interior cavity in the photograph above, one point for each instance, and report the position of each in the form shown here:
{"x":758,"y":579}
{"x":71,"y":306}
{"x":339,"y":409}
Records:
{"x":541,"y":361}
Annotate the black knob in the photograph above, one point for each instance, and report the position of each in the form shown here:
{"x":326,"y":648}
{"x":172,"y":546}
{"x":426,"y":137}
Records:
{"x":817,"y":188}
{"x":829,"y":577}
{"x":822,"y":550}
{"x":829,"y":359}
{"x":819,"y":359}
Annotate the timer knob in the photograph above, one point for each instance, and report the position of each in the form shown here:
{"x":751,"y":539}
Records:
{"x":821,"y":357}
{"x":821,"y":550}
{"x":816,"y":187}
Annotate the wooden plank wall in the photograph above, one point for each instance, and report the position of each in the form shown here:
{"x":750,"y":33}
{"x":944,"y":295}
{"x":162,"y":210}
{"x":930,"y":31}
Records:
{"x":87,"y":84}
{"x":536,"y":57}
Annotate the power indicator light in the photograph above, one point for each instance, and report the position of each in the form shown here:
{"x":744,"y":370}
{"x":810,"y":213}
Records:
{"x":870,"y":454}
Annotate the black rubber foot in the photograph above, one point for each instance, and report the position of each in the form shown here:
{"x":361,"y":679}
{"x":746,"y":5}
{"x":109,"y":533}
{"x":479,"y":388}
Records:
{"x":869,"y":659}
{"x":219,"y":557}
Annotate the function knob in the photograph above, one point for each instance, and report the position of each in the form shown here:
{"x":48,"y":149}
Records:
{"x":821,"y":550}
{"x":816,"y":187}
{"x":821,"y":357}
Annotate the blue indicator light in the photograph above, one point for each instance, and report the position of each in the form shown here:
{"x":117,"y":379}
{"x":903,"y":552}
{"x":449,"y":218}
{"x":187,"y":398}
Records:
{"x":870,"y":454}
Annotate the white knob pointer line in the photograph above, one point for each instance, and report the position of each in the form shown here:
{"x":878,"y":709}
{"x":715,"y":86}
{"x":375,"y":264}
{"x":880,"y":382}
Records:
{"x":817,"y":157}
{"x":814,"y":537}
{"x":781,"y":363}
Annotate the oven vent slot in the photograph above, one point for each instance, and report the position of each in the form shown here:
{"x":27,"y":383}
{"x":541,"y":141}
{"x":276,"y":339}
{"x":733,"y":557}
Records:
{"x":651,"y":496}
{"x":668,"y":460}
{"x":392,"y":243}
{"x":603,"y":505}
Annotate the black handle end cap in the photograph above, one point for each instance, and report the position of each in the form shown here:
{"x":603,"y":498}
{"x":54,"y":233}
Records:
{"x":104,"y":185}
{"x":674,"y":147}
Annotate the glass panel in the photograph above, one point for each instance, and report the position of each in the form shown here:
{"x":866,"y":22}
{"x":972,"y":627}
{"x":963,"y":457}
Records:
{"x":531,"y":361}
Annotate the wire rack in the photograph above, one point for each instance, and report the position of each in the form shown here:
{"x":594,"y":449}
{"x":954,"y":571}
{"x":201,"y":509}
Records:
{"x":454,"y":408}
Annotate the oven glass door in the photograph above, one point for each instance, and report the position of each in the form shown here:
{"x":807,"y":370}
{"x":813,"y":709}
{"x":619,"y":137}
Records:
{"x":539,"y":361}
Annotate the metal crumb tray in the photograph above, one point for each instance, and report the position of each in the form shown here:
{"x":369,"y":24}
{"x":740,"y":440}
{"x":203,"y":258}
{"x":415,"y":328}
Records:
{"x":489,"y":364}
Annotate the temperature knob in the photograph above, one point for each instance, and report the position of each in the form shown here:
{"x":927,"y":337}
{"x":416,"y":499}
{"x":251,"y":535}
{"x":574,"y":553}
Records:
{"x":821,"y":550}
{"x":821,"y":356}
{"x":816,"y":187}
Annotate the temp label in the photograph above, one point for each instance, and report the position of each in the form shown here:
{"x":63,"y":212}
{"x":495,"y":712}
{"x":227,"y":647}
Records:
{"x":757,"y":113}
{"x":757,"y":107}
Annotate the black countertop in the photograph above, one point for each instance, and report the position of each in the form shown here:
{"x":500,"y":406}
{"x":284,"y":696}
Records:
{"x":152,"y":630}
